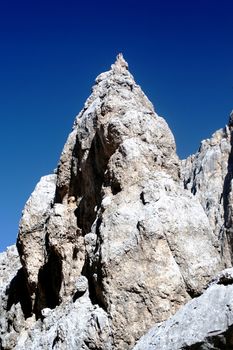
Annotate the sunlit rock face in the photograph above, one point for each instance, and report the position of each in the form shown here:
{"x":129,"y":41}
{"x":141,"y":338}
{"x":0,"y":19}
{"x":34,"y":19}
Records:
{"x":121,"y":236}
{"x":203,"y":323}
{"x":208,"y":175}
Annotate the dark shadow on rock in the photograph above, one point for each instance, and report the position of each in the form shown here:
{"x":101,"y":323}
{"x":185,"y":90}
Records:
{"x":222,"y":341}
{"x":88,"y":176}
{"x":95,"y":285}
{"x":49,"y":284}
{"x":17,"y":292}
{"x":225,"y":197}
{"x":89,"y":182}
{"x":78,"y":295}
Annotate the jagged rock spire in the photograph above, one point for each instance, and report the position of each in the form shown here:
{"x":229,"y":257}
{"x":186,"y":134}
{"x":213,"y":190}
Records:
{"x":118,"y":203}
{"x":230,"y":123}
{"x":120,"y":63}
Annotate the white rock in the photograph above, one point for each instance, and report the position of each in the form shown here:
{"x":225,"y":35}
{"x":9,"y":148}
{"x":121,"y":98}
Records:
{"x":144,"y":229}
{"x":81,"y":284}
{"x":45,"y":312}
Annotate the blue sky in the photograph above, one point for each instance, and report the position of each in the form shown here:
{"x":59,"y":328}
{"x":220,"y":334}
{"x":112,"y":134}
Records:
{"x":180,"y":52}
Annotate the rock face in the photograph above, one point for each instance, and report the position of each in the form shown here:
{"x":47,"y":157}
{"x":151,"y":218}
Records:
{"x":11,"y":305}
{"x":35,"y":215}
{"x":208,"y":175}
{"x":123,"y":234}
{"x":203,"y":323}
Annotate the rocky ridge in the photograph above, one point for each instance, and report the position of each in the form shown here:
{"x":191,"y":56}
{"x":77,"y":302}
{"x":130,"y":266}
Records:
{"x":122,"y":235}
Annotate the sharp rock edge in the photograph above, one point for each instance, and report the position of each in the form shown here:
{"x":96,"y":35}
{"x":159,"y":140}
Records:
{"x":123,"y":235}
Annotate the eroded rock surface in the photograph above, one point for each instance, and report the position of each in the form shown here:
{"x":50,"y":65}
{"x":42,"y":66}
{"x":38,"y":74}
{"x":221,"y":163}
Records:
{"x":31,"y":241}
{"x":77,"y":325}
{"x":122,"y":236}
{"x":203,"y":323}
{"x":208,"y":175}
{"x":13,"y":301}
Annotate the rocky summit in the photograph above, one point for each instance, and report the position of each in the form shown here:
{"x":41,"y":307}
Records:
{"x":125,"y":246}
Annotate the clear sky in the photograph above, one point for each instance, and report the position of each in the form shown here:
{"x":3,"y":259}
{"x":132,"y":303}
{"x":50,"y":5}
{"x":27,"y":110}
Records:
{"x":180,"y":52}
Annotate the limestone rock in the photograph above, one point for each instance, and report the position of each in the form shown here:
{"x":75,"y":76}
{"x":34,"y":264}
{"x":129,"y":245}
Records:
{"x":224,"y":277}
{"x":121,"y":167}
{"x":205,"y":322}
{"x":117,"y":240}
{"x":31,"y":239}
{"x":9,"y":264}
{"x":70,"y":326}
{"x":12,"y":301}
{"x":208,"y":175}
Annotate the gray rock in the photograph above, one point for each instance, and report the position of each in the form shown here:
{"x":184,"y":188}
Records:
{"x":122,"y":236}
{"x":31,"y":238}
{"x":12,"y":319}
{"x":124,"y":175}
{"x":225,"y":277}
{"x":45,"y":312}
{"x":207,"y":174}
{"x":81,"y":284}
{"x":203,"y":323}
{"x":78,"y":325}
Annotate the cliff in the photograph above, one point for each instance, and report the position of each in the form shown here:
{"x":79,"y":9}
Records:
{"x":123,"y":235}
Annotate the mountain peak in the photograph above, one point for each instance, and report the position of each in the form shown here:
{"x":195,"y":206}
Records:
{"x":120,"y":63}
{"x":230,"y":123}
{"x":120,"y":199}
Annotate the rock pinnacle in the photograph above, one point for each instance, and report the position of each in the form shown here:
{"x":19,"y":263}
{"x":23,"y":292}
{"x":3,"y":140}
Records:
{"x":230,"y":123}
{"x":120,"y":63}
{"x":122,"y":235}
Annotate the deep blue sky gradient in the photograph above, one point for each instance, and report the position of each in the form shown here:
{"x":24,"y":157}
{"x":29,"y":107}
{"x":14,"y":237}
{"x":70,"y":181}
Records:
{"x":180,"y":52}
